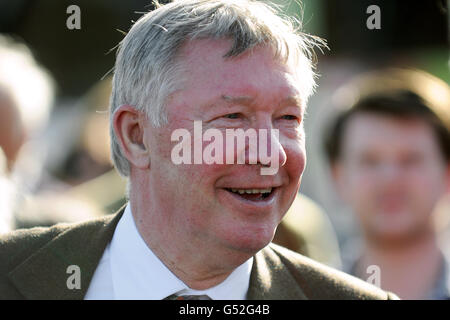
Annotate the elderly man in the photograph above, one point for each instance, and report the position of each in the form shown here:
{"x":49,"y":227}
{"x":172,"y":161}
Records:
{"x":193,"y":229}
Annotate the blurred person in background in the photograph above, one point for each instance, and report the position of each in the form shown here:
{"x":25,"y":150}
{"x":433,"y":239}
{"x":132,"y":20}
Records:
{"x":27,"y":94}
{"x":26,"y":99}
{"x":389,"y":151}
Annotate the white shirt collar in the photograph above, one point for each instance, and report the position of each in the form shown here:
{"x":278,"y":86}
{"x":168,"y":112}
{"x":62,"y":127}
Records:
{"x":137,"y":273}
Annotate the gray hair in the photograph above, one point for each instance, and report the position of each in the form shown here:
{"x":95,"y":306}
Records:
{"x":147,"y":70}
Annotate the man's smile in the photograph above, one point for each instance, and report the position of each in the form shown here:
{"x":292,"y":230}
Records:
{"x":252,"y":200}
{"x":252,"y":194}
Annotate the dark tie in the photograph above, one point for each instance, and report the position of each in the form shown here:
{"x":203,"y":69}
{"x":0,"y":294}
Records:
{"x":187,"y":297}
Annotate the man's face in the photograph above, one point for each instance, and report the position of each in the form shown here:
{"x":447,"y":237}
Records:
{"x":392,"y":174}
{"x":197,"y":201}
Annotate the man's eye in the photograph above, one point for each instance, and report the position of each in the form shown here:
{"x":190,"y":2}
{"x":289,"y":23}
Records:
{"x":369,"y":161}
{"x":232,"y":116}
{"x":289,"y":117}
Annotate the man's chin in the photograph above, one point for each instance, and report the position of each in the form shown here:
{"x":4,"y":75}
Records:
{"x":396,"y":238}
{"x":246,"y":235}
{"x":249,"y":245}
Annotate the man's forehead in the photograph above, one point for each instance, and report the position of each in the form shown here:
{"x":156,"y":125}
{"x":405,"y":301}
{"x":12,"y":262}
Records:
{"x":212,"y":51}
{"x":190,"y":50}
{"x":251,"y":77}
{"x":365,"y":129}
{"x":374,"y":119}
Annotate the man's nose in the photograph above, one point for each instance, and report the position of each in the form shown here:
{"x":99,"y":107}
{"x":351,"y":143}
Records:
{"x":274,"y":145}
{"x":270,"y":149}
{"x":390,"y":172}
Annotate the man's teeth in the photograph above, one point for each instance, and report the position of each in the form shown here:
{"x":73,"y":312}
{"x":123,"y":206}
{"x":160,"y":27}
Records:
{"x":252,"y":191}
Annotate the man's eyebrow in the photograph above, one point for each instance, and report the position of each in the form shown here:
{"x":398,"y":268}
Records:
{"x":291,"y":100}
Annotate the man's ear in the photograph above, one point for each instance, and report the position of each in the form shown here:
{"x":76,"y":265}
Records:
{"x":130,"y":127}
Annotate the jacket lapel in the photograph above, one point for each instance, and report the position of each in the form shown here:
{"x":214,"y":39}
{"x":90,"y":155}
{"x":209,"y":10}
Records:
{"x":44,"y":274}
{"x":271,"y":280}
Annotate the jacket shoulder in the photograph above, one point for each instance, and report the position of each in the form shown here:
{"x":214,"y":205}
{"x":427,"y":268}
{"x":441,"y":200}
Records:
{"x":33,"y":262}
{"x":319,"y":281}
{"x":17,"y":245}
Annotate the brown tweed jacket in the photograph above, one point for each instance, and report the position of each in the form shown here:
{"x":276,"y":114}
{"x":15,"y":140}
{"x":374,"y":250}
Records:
{"x":34,"y":262}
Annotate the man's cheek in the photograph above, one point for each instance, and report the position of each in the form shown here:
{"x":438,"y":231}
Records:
{"x":352,"y":188}
{"x":202,"y":176}
{"x":296,"y":161}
